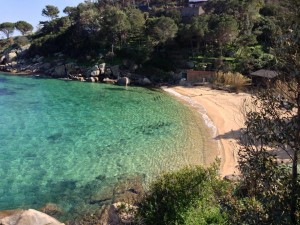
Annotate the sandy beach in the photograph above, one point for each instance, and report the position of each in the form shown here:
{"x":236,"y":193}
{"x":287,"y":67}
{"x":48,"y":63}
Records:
{"x":224,"y":110}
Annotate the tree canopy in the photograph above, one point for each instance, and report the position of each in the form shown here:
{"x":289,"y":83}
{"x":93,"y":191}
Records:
{"x":23,"y":27}
{"x":7,"y":28}
{"x":50,"y":11}
{"x":162,"y":29}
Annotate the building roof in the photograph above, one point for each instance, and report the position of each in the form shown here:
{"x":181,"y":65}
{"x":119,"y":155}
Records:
{"x":196,"y":1}
{"x":200,"y":72}
{"x":265,"y":73}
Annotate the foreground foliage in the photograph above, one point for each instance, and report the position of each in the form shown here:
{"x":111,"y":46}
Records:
{"x":188,"y":196}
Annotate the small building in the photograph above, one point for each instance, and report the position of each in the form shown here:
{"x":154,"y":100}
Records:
{"x":263,"y":77}
{"x":199,"y":76}
{"x":192,"y":11}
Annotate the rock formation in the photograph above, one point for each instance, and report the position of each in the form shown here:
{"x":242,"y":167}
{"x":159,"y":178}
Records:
{"x":26,"y":217}
{"x":123,"y":81}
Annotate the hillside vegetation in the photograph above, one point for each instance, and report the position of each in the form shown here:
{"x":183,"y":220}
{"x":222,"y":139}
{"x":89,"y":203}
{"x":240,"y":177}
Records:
{"x":231,"y":35}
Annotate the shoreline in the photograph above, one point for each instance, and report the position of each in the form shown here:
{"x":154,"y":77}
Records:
{"x":222,"y":113}
{"x":206,"y":103}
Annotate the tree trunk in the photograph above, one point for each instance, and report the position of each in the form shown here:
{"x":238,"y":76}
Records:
{"x":294,"y":194}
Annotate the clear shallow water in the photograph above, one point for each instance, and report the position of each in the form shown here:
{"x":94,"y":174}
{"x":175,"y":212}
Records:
{"x":63,"y":142}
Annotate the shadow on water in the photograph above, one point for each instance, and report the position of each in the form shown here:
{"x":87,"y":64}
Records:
{"x":74,"y":198}
{"x":154,"y":129}
{"x":121,"y":89}
{"x":55,"y":137}
{"x":35,"y":196}
{"x":3,"y":80}
{"x":6,"y":91}
{"x":130,"y":89}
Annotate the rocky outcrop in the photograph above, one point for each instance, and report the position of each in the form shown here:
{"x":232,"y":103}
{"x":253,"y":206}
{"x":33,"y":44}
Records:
{"x":109,"y":81}
{"x":102,"y":68}
{"x":92,"y":79}
{"x":27,"y":217}
{"x":115,"y":70}
{"x":94,"y":71}
{"x":59,"y":71}
{"x":23,"y":50}
{"x":118,"y":214}
{"x":144,"y":81}
{"x":110,"y":216}
{"x":2,"y":57}
{"x":11,"y":57}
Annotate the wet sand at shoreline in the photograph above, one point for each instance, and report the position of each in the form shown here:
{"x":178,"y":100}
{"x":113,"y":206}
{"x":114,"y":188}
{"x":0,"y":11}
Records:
{"x":224,"y":112}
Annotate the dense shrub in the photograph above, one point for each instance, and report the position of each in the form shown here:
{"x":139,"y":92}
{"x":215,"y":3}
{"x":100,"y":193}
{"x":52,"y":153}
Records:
{"x":21,"y":41}
{"x":187,"y":196}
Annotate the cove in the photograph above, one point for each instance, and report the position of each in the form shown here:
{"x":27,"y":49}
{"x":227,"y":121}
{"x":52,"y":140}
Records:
{"x":65,"y":142}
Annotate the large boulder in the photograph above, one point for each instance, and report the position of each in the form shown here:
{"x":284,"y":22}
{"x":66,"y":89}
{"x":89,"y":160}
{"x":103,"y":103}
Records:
{"x":11,"y":57}
{"x":145,"y":81}
{"x":23,"y":49}
{"x":71,"y":67}
{"x":27,"y":217}
{"x":46,"y":66}
{"x":115,"y":70}
{"x":2,"y":59}
{"x":109,"y":81}
{"x":59,"y":71}
{"x":94,"y":71}
{"x":123,"y":81}
{"x":102,"y":68}
{"x":92,"y":79}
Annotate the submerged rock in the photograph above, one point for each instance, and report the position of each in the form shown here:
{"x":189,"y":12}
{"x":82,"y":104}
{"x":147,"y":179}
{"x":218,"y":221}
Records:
{"x":51,"y":209}
{"x":26,"y":217}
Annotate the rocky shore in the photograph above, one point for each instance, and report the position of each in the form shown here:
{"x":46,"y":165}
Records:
{"x":15,"y":61}
{"x":115,"y":208}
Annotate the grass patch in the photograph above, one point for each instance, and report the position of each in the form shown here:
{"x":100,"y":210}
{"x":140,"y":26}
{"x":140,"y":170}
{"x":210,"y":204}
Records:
{"x":235,"y":81}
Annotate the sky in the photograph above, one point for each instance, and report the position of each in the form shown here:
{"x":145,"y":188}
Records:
{"x":30,"y":10}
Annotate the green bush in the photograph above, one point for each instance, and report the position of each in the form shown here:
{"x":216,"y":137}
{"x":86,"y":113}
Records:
{"x":21,"y":41}
{"x":188,"y":196}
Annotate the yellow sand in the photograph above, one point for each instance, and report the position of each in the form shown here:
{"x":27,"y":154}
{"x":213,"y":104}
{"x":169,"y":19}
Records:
{"x":225,"y":110}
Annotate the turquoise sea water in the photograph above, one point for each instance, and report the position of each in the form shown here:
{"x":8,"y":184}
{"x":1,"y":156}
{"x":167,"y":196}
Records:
{"x":64,"y":142}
